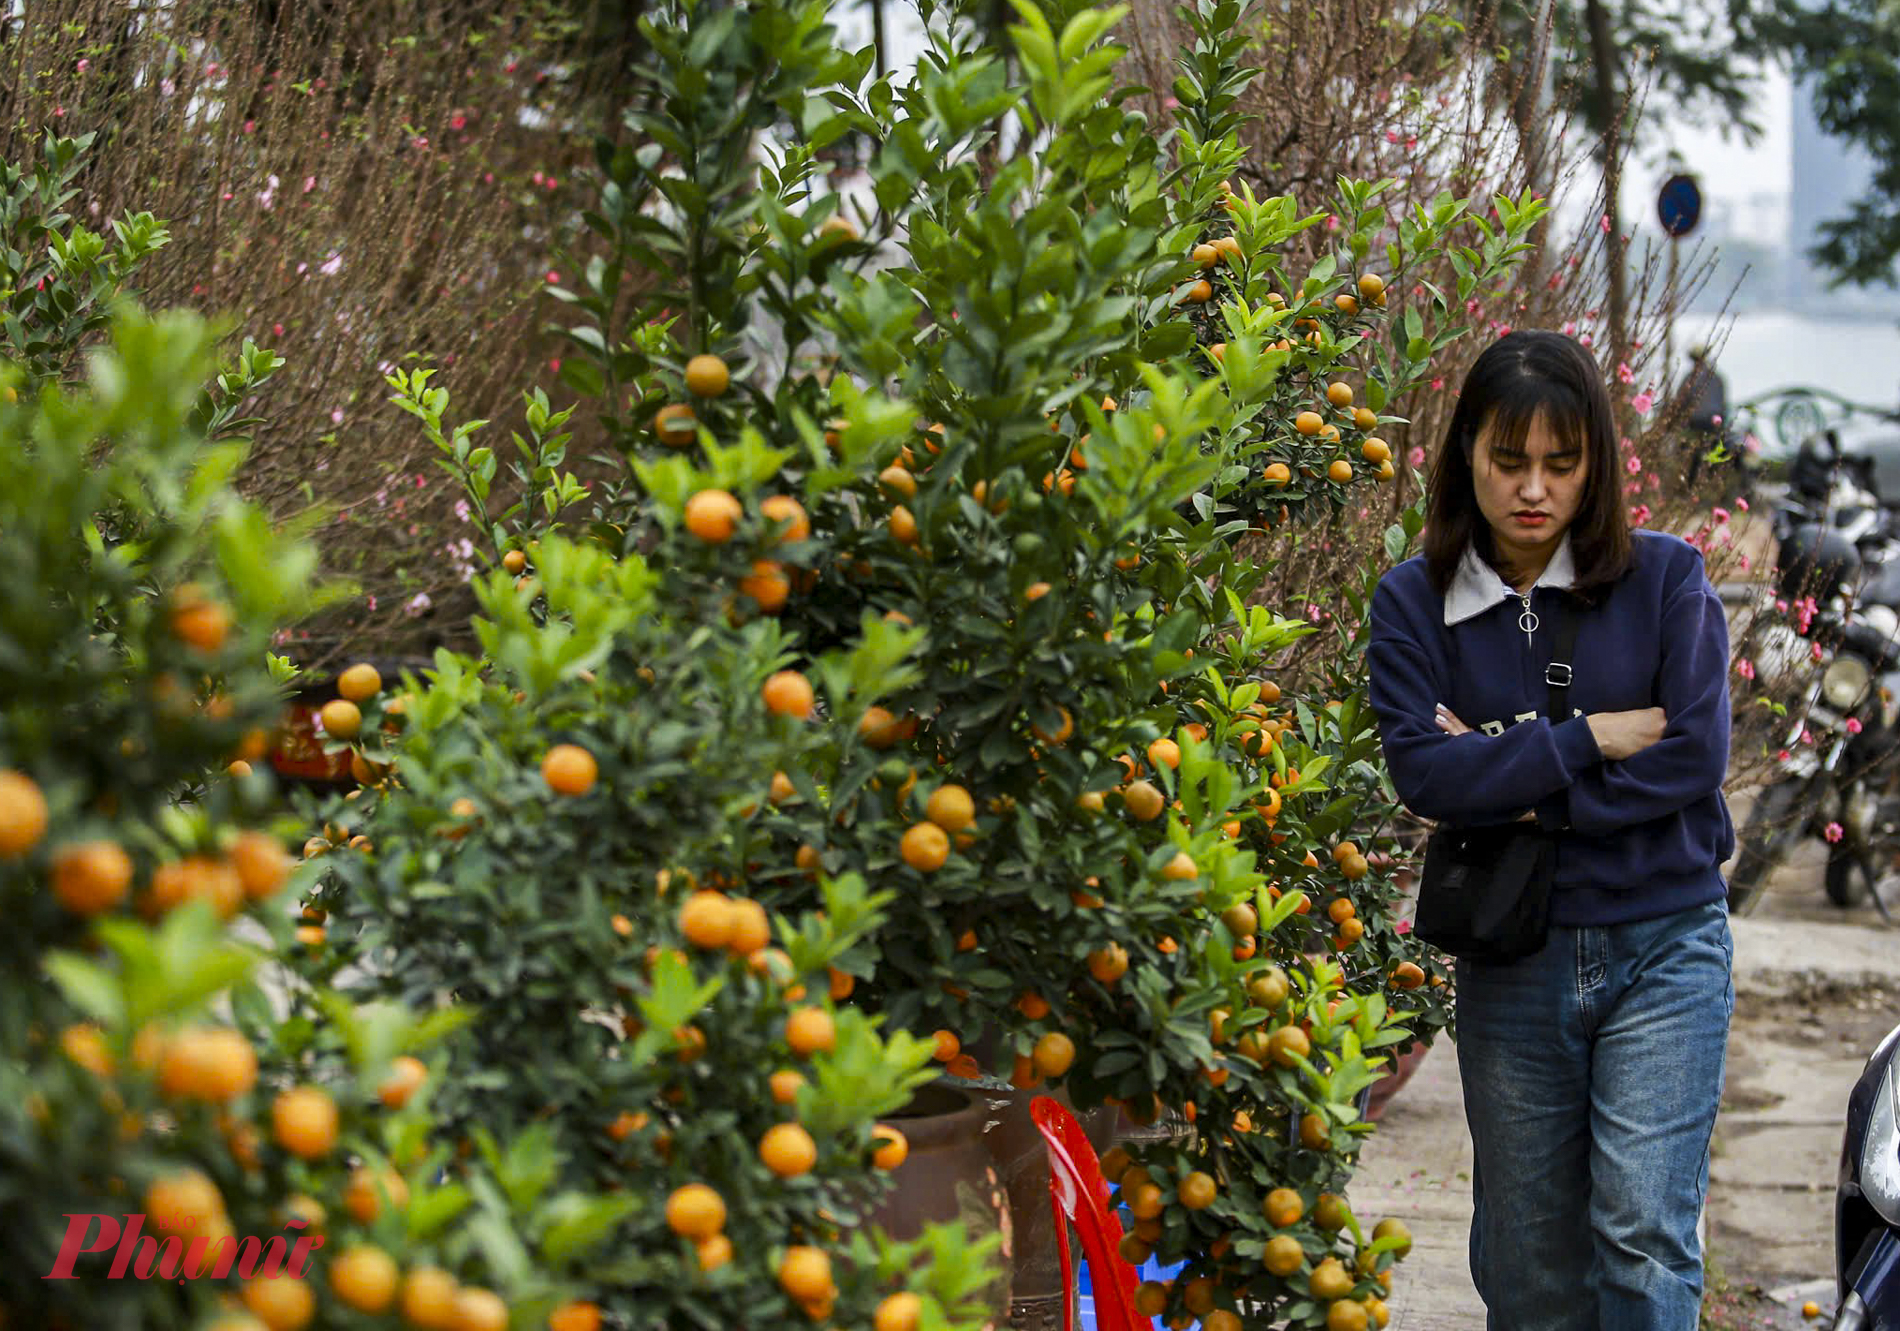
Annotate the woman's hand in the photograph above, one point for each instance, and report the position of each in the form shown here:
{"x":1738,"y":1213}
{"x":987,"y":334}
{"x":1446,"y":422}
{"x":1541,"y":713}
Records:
{"x":1622,"y":735}
{"x":1449,"y":723}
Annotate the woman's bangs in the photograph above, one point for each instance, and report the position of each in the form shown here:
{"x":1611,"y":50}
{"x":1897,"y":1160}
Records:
{"x":1508,"y":427}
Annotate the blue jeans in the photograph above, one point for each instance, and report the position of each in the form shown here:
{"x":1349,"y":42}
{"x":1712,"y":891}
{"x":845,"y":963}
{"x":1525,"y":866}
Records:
{"x":1592,"y":1072}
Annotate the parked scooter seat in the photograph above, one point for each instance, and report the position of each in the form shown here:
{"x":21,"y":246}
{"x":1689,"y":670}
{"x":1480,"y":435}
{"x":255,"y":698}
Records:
{"x":1814,"y":560}
{"x":1883,"y":588}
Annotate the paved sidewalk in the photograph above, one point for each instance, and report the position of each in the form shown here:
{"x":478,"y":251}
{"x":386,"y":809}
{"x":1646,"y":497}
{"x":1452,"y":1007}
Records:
{"x":1417,"y":1166}
{"x":1813,"y":994}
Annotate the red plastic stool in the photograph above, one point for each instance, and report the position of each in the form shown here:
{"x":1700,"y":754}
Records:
{"x":1078,"y":1194}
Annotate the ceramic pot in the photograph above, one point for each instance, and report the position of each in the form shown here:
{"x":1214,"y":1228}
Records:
{"x":1039,"y":1295}
{"x":949,"y":1175}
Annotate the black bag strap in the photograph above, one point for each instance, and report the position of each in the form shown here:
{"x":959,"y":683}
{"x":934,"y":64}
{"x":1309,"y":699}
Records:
{"x":1558,"y":674}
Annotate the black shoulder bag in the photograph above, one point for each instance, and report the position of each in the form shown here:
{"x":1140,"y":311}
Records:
{"x":1485,"y":894}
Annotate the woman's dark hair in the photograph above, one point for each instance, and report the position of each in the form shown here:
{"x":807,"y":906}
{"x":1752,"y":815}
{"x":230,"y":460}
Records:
{"x":1519,"y":378}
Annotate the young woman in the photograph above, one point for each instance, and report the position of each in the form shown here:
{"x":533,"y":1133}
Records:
{"x":1592,"y":1069}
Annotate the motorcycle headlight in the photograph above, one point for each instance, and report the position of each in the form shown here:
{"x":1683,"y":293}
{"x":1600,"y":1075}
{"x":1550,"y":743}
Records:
{"x":1782,"y":651}
{"x":1844,"y":681}
{"x":1880,"y":1156}
{"x":1881,"y":619}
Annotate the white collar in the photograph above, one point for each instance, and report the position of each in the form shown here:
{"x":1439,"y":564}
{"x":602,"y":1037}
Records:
{"x":1476,"y":586}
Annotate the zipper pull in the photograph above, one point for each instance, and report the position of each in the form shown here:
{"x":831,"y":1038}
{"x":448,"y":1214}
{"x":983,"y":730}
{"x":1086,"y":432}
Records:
{"x":1528,"y":621}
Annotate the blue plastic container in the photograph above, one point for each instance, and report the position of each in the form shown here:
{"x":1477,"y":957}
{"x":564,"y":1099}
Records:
{"x":1151,"y":1269}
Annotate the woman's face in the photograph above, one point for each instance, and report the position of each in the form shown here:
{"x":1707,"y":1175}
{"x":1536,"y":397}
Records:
{"x":1529,"y":499}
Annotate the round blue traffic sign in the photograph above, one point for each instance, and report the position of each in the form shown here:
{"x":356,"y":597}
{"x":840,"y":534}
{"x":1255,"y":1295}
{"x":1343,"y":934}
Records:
{"x":1679,"y":205}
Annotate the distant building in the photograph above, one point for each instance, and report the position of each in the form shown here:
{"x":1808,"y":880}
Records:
{"x":1826,"y":175}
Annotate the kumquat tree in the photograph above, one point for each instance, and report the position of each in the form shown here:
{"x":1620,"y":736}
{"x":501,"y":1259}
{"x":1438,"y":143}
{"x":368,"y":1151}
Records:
{"x":533,"y":840}
{"x":891,"y":705}
{"x":177,"y":1148}
{"x":917,"y":617}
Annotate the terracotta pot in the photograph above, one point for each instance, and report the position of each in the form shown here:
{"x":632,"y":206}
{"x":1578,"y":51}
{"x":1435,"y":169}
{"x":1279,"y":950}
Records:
{"x":949,"y":1175}
{"x":1039,"y":1293}
{"x":1388,"y":1086}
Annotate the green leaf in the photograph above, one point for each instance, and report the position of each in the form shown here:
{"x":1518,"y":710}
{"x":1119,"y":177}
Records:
{"x":432,"y":1212}
{"x":89,"y":987}
{"x":579,"y":1222}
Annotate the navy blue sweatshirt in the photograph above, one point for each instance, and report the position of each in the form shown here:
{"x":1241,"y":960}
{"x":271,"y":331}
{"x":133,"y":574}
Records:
{"x":1639,"y":838}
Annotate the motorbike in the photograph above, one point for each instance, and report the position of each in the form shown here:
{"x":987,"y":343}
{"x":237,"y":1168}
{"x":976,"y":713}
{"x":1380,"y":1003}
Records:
{"x":1867,"y":1198}
{"x":1836,"y":779}
{"x":1834,"y":488}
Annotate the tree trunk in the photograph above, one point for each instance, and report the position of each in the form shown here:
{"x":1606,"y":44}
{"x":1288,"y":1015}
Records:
{"x":1603,"y":58}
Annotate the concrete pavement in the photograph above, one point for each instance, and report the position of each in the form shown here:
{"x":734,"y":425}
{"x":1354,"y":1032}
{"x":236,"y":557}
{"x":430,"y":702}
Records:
{"x":1417,"y":1167}
{"x":1815,"y":989}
